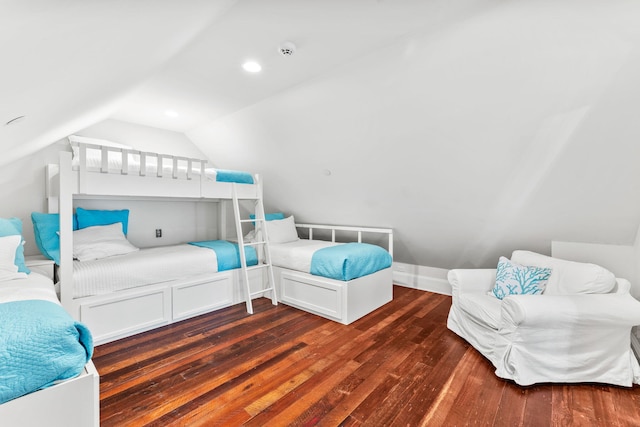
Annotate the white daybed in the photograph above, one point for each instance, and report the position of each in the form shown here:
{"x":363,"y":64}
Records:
{"x":341,"y":300}
{"x":70,"y":403}
{"x":124,"y":313}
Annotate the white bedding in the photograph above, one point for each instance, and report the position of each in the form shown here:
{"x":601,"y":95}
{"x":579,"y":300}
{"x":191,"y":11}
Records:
{"x":296,"y":255}
{"x":35,"y":286}
{"x":144,"y":267}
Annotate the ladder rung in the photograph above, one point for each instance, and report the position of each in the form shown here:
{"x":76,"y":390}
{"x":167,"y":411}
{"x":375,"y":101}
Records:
{"x":254,"y":243}
{"x":261,"y":291}
{"x":256,"y":267}
{"x":252,"y":220}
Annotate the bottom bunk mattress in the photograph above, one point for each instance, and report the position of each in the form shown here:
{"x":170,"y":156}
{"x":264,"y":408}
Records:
{"x":41,"y":344}
{"x":156,"y":265}
{"x":339,"y":261}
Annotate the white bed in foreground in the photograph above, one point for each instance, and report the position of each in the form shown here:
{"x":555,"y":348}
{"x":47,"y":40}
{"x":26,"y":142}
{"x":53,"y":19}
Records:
{"x":71,"y":403}
{"x":342,"y":301}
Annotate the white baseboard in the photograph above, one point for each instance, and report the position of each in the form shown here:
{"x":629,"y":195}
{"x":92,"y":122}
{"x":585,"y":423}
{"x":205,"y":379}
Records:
{"x":420,"y":277}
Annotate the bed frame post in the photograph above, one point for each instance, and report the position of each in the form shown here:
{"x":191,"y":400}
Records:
{"x":222,"y":220}
{"x":65,"y":202}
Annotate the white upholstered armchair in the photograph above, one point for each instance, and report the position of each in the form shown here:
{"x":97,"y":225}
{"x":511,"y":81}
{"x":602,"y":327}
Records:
{"x":577,"y":330}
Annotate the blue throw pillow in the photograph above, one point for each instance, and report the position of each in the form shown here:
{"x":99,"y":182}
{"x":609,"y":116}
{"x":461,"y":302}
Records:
{"x":89,"y":218}
{"x":516,"y":279}
{"x":45,"y":231}
{"x":13,"y":227}
{"x":270,"y":216}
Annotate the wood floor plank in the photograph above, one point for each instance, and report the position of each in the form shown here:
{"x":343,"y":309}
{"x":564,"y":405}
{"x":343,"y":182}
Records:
{"x":399,"y":365}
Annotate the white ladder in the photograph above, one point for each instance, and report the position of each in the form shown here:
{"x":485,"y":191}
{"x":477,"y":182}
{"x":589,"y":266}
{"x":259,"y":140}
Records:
{"x":262,"y":242}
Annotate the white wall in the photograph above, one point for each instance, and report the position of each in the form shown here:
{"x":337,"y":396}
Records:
{"x":622,"y":260}
{"x":505,"y":131}
{"x":22,"y":189}
{"x":619,"y":259}
{"x":180,"y":221}
{"x":143,"y":138}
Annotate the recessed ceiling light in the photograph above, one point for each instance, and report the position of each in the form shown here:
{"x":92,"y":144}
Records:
{"x":252,"y":67}
{"x":171,"y":113}
{"x":15,"y":120}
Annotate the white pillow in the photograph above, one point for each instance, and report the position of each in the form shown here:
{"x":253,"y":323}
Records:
{"x":100,"y":241}
{"x":282,"y":230}
{"x":8,"y":268}
{"x":569,"y":277}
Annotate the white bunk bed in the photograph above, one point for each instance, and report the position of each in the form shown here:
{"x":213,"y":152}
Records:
{"x":344,"y":301}
{"x":70,"y":403}
{"x":127,"y":312}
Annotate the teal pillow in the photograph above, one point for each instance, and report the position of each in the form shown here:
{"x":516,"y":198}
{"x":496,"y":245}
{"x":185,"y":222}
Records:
{"x":516,"y":279}
{"x":45,"y":231}
{"x":270,"y":216}
{"x":13,"y":227}
{"x":89,"y":218}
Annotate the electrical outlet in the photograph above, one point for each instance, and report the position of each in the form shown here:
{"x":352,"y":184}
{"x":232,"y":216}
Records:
{"x":158,"y":232}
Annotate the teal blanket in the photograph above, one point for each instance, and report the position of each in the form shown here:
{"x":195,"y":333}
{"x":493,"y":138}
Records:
{"x":349,"y":261}
{"x":40,"y":344}
{"x":228,"y":253}
{"x":224,"y":175}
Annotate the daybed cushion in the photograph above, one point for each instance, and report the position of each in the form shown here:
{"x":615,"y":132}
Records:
{"x":349,"y":261}
{"x":13,"y":227}
{"x":516,"y":279}
{"x":569,"y":277}
{"x":100,"y":241}
{"x":90,"y":218}
{"x":282,"y":231}
{"x":8,"y":268}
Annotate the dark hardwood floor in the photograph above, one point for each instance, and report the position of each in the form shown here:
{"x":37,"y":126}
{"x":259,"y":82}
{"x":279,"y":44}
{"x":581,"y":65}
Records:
{"x":398,"y":366}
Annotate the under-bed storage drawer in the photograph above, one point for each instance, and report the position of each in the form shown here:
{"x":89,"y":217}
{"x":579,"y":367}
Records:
{"x":315,"y":296}
{"x":127,"y":313}
{"x":194,"y":297}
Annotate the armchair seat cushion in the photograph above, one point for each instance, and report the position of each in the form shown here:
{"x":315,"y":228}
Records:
{"x":483,"y":309}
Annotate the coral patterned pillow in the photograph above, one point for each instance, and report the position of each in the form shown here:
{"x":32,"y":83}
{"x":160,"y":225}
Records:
{"x":516,"y":279}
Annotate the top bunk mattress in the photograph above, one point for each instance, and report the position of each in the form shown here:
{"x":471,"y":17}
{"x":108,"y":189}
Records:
{"x":154,"y":265}
{"x":338,"y":261}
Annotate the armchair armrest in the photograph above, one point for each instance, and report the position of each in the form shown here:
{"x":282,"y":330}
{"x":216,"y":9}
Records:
{"x":561,"y":311}
{"x":475,"y":280}
{"x":567,"y":338}
{"x":622,"y":286}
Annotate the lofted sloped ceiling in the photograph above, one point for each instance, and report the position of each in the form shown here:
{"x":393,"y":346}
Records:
{"x":66,"y":64}
{"x":471,"y":127}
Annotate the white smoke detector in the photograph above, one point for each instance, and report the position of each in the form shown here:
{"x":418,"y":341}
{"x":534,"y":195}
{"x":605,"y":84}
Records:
{"x":287,"y":49}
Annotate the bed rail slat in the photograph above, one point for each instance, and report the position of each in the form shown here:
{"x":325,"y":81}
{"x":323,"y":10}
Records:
{"x":359,"y":230}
